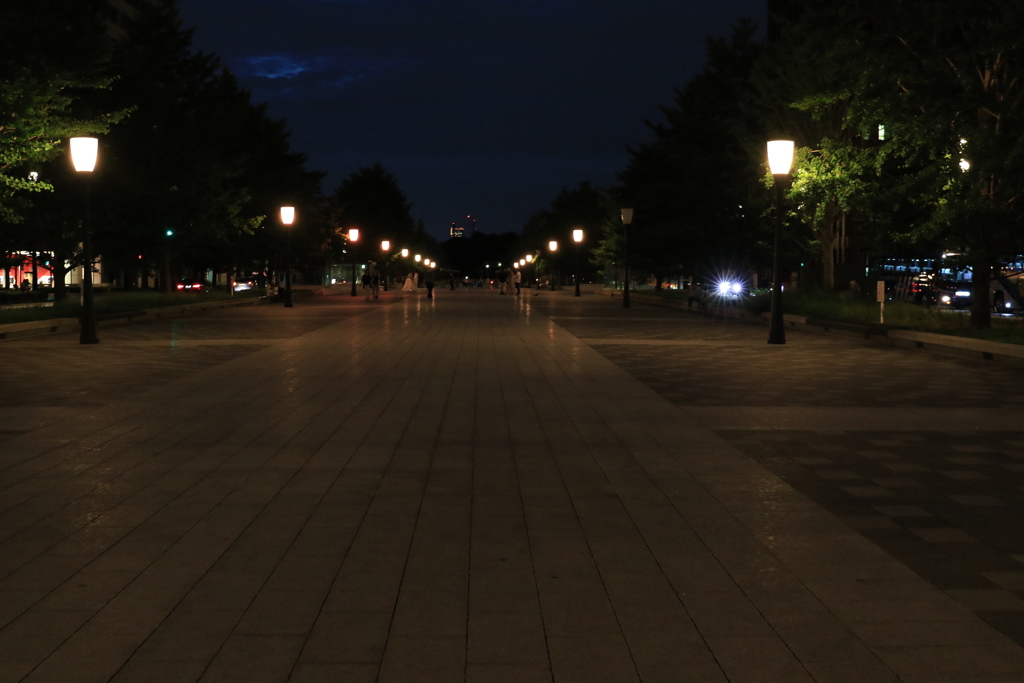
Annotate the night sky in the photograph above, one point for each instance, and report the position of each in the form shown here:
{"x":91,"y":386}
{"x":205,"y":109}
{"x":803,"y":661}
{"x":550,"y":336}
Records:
{"x":482,"y":107}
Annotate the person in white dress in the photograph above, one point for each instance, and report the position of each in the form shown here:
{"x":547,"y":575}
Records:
{"x":410,"y":283}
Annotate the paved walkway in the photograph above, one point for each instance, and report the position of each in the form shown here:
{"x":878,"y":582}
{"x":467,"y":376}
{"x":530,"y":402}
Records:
{"x":465,"y":489}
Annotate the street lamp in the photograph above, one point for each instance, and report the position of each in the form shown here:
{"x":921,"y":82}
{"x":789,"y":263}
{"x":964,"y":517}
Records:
{"x":405,"y":253}
{"x":780,"y":160}
{"x":385,"y":246}
{"x":33,"y":178}
{"x":627,"y":218}
{"x":83,"y":156}
{"x":552,"y":247}
{"x":353,"y":237}
{"x":577,"y":237}
{"x":287,"y":218}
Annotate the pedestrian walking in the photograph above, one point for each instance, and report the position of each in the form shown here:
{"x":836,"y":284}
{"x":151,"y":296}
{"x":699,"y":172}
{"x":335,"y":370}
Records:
{"x":451,"y":282}
{"x":367,"y":280}
{"x":502,"y":281}
{"x":697,"y":296}
{"x":375,"y":283}
{"x":517,"y":280}
{"x":428,"y":282}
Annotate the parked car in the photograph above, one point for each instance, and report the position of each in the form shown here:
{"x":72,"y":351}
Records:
{"x":190,"y":284}
{"x":955,"y":294}
{"x":244,"y":283}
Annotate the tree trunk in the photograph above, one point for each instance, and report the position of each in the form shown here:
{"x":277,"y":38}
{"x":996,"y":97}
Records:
{"x":828,"y":234}
{"x":981,"y":278}
{"x":60,"y":272}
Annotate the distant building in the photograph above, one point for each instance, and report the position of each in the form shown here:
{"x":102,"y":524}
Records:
{"x":457,"y":231}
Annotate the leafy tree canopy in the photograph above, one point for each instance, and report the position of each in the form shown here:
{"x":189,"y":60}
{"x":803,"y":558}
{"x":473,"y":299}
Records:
{"x":51,"y":55}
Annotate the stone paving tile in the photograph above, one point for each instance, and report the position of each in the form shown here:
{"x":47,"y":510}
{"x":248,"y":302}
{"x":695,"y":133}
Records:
{"x":461,"y":490}
{"x":947,"y":502}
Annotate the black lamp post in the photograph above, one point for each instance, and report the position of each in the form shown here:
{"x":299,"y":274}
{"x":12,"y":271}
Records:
{"x":577,"y":237}
{"x":353,"y":237}
{"x":287,"y":218}
{"x":627,"y":218}
{"x":34,"y":178}
{"x":780,"y":159}
{"x":552,"y":247}
{"x":385,"y":246}
{"x":83,"y":155}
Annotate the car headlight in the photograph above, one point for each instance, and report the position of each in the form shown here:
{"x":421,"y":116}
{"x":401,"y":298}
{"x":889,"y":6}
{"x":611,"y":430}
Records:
{"x":723,"y":287}
{"x":946,"y":299}
{"x":736,"y":288}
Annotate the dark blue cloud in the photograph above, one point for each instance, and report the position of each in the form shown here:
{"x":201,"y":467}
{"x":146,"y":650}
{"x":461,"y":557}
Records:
{"x":478,"y":106}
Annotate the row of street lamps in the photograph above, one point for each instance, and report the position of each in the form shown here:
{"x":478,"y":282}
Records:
{"x":577,"y":237}
{"x":288,"y":218}
{"x":780,"y":162}
{"x":85,"y":151}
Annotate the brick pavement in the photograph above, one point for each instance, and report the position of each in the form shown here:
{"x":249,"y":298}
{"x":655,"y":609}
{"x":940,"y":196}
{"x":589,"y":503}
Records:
{"x":465,"y":490}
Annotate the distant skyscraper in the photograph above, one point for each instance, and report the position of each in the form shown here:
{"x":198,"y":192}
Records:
{"x":457,"y":231}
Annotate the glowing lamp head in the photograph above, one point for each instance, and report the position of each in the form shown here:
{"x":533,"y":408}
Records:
{"x":353,"y":234}
{"x":553,"y":245}
{"x":627,"y":216}
{"x":577,"y":236}
{"x":522,"y":262}
{"x":287,"y":215}
{"x":83,"y":154}
{"x":529,"y":258}
{"x":417,"y":258}
{"x":780,"y":156}
{"x":385,"y":245}
{"x":405,"y":253}
{"x":433,"y":264}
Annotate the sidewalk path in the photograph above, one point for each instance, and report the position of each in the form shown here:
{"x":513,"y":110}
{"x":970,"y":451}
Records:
{"x":461,"y":489}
